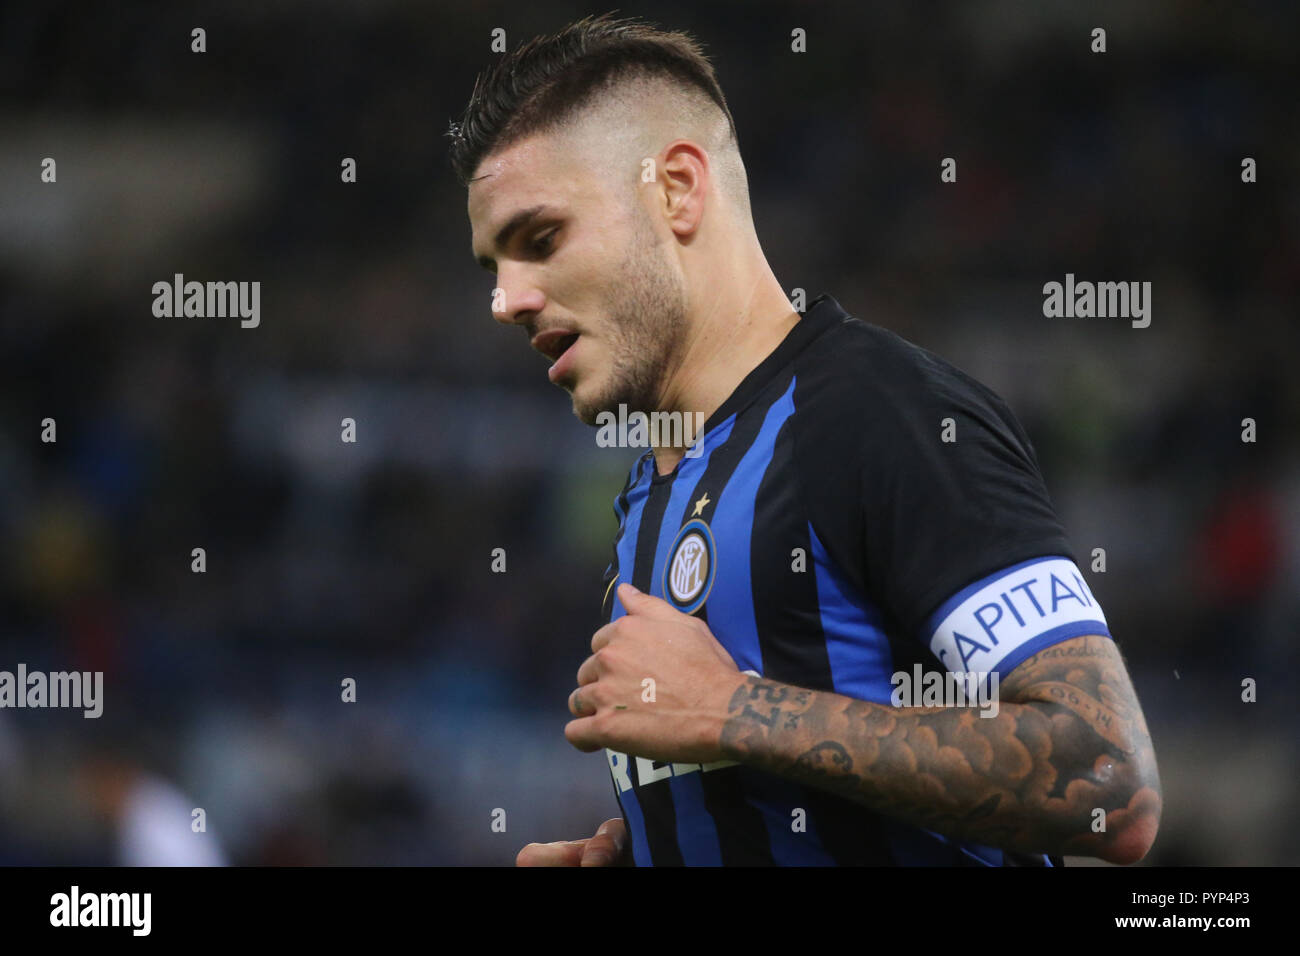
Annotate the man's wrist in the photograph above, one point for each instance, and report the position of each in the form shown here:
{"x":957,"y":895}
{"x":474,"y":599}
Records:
{"x":719,"y":732}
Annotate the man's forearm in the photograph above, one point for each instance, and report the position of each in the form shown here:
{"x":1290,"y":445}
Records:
{"x":1028,"y":779}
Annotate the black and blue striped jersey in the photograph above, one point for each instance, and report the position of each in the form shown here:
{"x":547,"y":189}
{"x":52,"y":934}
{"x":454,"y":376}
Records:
{"x":856,"y":507}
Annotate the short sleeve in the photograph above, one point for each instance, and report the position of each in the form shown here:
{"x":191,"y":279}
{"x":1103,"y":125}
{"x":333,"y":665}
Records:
{"x":940,"y":512}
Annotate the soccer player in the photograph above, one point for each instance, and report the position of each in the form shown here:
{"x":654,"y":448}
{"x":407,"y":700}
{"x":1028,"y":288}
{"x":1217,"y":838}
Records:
{"x":856,"y":511}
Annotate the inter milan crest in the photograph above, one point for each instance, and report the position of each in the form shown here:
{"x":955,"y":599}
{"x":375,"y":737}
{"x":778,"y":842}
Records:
{"x":688,"y":577}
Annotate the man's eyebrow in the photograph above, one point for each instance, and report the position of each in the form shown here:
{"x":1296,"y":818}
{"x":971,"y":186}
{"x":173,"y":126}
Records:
{"x":512,"y":225}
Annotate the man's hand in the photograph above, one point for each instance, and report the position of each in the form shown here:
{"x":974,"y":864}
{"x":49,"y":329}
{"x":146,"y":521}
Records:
{"x":657,"y":685}
{"x":609,"y":847}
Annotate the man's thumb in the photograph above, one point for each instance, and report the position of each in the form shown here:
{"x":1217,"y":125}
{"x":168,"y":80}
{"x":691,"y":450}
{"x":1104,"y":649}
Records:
{"x":638,"y":602}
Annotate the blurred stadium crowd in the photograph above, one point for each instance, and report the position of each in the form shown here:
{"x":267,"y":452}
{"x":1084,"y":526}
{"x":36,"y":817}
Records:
{"x":372,"y":560}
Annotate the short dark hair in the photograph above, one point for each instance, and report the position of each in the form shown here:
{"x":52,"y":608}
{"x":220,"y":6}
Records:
{"x":549,"y":79}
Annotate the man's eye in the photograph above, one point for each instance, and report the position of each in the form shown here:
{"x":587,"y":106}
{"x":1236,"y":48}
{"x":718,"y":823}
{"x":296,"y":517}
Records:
{"x":542,"y":244}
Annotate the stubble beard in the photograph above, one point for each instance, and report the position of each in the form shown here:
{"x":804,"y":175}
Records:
{"x":646,"y":326}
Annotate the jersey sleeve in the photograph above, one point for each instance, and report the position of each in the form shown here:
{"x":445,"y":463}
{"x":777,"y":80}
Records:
{"x":941,"y":515}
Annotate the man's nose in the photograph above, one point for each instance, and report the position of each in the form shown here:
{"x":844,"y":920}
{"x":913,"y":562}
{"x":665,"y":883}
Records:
{"x":514,"y":300}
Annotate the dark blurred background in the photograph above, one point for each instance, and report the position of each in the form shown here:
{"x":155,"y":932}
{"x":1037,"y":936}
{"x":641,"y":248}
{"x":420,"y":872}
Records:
{"x":372,"y":560}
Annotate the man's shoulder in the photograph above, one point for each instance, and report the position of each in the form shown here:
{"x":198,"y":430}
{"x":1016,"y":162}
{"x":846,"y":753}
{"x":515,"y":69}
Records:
{"x":863,"y":375}
{"x":917,"y":477}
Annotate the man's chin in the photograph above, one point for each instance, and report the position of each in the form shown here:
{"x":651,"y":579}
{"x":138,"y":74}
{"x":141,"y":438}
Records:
{"x":588,"y":410}
{"x":587,"y":413}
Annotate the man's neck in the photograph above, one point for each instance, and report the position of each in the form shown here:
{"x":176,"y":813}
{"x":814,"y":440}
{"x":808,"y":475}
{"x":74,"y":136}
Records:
{"x":718,"y":359}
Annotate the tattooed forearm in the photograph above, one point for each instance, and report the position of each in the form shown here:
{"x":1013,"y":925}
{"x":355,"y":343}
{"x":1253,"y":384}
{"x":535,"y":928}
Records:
{"x":1069,"y":738}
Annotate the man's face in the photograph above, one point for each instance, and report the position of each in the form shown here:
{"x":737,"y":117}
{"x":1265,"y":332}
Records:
{"x":585,"y":274}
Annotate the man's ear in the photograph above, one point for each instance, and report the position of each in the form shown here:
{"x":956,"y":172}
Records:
{"x":685,"y":176}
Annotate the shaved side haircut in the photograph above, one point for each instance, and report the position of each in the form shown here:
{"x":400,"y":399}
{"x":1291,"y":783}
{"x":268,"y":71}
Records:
{"x":623,"y":86}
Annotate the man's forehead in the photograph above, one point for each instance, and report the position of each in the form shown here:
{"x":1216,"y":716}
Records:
{"x":505,"y":194}
{"x":539,"y":171}
{"x":524,"y":168}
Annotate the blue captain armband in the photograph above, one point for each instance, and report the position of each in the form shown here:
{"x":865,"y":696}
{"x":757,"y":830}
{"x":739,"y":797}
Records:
{"x":1000,"y":620}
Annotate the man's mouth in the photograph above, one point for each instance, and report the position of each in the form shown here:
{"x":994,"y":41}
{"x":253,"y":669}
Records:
{"x":563,"y":367}
{"x":554,"y":343}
